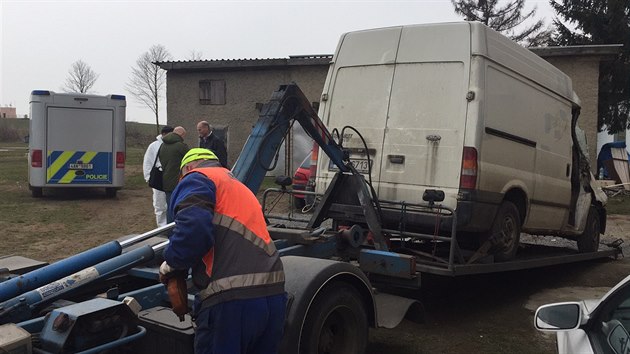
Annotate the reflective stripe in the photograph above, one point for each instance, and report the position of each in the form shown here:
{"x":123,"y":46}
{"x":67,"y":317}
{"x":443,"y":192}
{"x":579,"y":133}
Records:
{"x":70,"y":175}
{"x":54,"y":167}
{"x":241,"y":281}
{"x":234,"y":225}
{"x":195,"y":200}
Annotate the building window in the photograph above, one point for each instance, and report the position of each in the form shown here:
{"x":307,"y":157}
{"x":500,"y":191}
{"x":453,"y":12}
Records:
{"x":212,"y":92}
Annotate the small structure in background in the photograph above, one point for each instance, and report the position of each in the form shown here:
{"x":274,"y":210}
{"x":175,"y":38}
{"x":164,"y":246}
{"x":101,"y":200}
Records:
{"x":612,"y":164}
{"x":8,"y":112}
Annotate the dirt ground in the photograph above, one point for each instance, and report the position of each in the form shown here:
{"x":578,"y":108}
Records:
{"x":475,"y":314}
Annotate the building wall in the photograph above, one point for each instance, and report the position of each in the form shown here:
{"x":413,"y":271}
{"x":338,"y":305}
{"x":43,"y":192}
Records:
{"x":244,"y":89}
{"x":584,"y":72}
{"x":7,"y":112}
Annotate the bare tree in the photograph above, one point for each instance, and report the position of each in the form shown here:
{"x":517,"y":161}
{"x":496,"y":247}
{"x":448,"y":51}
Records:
{"x":195,"y":55}
{"x":505,"y":19}
{"x":81,"y":77}
{"x":148,"y":79}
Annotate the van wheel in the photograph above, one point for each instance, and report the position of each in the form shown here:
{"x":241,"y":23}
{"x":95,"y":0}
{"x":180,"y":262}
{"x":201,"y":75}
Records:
{"x":336,"y":322}
{"x":37,"y":192}
{"x":110,"y":192}
{"x":588,"y":241}
{"x":505,"y":232}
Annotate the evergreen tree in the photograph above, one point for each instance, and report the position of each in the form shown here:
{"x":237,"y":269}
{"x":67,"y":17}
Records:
{"x":505,"y":19}
{"x":601,"y":22}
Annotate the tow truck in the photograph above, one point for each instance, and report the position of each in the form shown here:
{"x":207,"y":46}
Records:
{"x":109,"y":297}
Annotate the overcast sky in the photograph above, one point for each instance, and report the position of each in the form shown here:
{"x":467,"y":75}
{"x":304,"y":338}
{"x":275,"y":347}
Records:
{"x":41,"y":39}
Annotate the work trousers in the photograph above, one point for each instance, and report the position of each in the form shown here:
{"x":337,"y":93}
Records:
{"x":252,"y":326}
{"x":159,"y":206}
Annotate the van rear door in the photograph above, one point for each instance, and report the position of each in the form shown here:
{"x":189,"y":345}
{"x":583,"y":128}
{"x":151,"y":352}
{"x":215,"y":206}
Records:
{"x":79,"y":146}
{"x":427,"y":113}
{"x":361,"y":80}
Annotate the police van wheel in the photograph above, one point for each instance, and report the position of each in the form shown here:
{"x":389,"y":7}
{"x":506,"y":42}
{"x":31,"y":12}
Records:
{"x":37,"y":192}
{"x":336,"y":322}
{"x":111,"y":192}
{"x":588,"y":241}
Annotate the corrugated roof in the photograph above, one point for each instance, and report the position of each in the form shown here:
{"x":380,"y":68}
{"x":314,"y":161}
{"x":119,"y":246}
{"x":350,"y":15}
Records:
{"x":222,"y":64}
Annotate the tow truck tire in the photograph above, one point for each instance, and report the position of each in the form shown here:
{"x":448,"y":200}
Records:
{"x":588,"y":241}
{"x":507,"y":226}
{"x":336,"y":322}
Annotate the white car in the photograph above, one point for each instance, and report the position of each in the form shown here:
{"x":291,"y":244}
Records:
{"x":590,"y":326}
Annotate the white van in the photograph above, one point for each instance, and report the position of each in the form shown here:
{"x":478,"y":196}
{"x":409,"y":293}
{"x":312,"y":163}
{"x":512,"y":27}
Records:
{"x":76,"y":140}
{"x":460,"y":108}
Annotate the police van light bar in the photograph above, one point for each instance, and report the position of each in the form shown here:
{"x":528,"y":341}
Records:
{"x":40,"y":93}
{"x":118,"y":97}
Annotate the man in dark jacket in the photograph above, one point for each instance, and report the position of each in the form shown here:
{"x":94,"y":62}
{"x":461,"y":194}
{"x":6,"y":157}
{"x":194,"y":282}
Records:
{"x":171,"y":153}
{"x":210,"y":141}
{"x":221,"y":234}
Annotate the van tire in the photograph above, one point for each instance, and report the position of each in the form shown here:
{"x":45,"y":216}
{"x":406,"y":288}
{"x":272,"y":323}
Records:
{"x":507,"y":230}
{"x":588,"y":241}
{"x":37,"y":192}
{"x":110,"y":192}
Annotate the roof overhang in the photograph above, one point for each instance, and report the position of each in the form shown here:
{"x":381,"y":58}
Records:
{"x":603,"y":51}
{"x":240,"y":64}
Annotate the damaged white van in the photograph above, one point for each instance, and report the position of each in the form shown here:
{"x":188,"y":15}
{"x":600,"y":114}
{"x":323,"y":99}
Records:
{"x":460,"y":108}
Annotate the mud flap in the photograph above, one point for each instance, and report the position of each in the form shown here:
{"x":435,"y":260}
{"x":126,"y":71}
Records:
{"x":392,"y":309}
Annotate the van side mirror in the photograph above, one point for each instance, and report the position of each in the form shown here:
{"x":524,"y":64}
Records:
{"x":558,"y":317}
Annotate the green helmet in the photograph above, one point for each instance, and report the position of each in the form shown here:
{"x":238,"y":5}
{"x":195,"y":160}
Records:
{"x":197,"y":154}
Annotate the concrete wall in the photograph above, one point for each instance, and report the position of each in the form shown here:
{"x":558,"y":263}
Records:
{"x":244,"y":89}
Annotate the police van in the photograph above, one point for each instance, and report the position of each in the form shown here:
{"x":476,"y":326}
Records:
{"x":76,"y":140}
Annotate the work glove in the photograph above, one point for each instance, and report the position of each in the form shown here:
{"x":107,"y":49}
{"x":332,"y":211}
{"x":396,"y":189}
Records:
{"x":167,"y":272}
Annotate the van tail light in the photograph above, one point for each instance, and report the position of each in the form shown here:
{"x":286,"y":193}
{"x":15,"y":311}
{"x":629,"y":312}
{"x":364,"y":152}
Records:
{"x":36,"y":158}
{"x":120,"y":159}
{"x":468,"y":179}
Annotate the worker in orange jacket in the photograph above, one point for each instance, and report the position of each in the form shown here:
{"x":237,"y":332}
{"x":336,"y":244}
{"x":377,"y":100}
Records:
{"x":222,"y":236}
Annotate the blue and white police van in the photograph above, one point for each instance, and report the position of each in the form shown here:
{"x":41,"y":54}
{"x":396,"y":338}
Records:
{"x":76,"y":140}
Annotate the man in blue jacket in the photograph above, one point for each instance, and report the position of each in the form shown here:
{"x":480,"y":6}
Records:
{"x":222,"y":236}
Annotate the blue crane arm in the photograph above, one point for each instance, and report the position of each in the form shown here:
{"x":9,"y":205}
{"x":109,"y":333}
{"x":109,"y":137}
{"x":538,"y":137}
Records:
{"x":288,"y":103}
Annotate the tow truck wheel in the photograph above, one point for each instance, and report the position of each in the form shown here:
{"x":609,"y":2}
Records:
{"x":336,"y":322}
{"x":588,"y":241}
{"x":506,"y":230}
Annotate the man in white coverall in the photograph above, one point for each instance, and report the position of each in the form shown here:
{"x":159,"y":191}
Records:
{"x":159,"y":197}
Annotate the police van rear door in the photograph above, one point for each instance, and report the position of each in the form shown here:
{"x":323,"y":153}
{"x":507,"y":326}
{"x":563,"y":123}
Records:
{"x":79,"y":146}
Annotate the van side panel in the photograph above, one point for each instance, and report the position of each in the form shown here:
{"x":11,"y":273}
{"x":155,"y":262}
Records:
{"x":526,"y":146}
